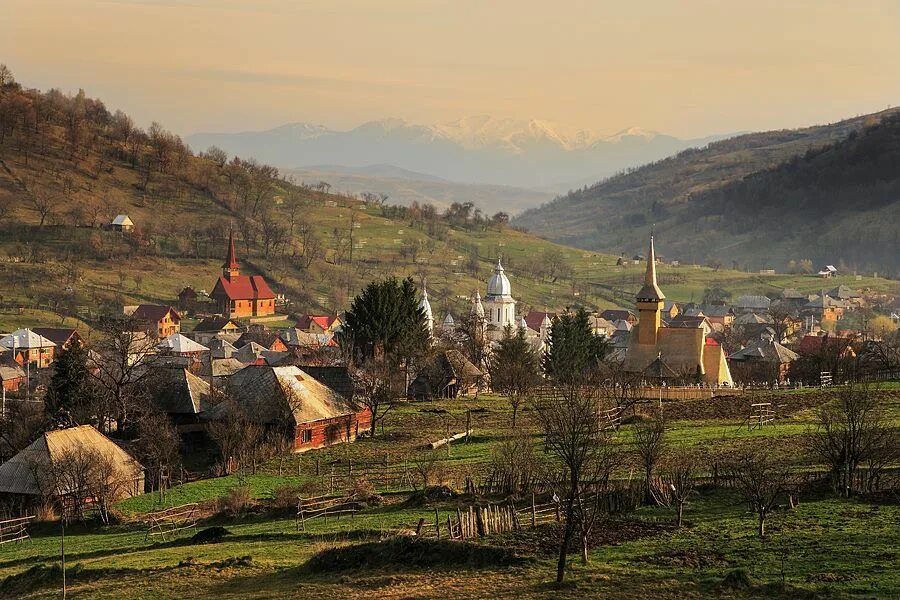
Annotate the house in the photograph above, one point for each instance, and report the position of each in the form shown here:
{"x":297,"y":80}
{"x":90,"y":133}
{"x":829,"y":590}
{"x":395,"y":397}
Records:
{"x":828,"y":272}
{"x":601,"y":326}
{"x":670,"y":309}
{"x":718,"y":315}
{"x":612,"y":314}
{"x":303,"y":343}
{"x":221,"y":348}
{"x":292,"y":402}
{"x":765,"y":360}
{"x":321,"y":324}
{"x":181,"y":345}
{"x":216,"y":371}
{"x":751,"y":303}
{"x":157,"y":319}
{"x":686,"y":350}
{"x":239,"y":295}
{"x":122,"y":223}
{"x":824,"y":308}
{"x":182,"y":396}
{"x":39,"y":471}
{"x":826,"y":345}
{"x":214,"y":327}
{"x":265,"y":337}
{"x":692,"y":322}
{"x":187,"y":299}
{"x":448,"y":375}
{"x":12,"y":377}
{"x":29,"y":348}
{"x":63,"y":337}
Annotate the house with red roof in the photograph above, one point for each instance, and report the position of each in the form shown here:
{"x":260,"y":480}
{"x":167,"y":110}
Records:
{"x":318,"y":323}
{"x":239,"y":295}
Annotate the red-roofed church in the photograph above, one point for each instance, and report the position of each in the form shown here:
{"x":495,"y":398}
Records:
{"x":239,"y":295}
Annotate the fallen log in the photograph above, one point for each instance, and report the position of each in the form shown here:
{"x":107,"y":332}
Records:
{"x":452,"y":438}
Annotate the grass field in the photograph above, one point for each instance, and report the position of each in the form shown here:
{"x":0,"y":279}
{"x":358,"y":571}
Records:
{"x":825,"y":547}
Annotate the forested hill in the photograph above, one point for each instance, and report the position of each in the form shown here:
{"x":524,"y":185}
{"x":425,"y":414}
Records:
{"x":827,"y":194}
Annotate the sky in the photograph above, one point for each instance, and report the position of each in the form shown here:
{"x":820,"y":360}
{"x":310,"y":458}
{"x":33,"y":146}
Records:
{"x":688,"y":68}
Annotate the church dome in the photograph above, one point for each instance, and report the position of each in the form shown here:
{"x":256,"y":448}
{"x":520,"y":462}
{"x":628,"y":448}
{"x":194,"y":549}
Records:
{"x":499,"y":283}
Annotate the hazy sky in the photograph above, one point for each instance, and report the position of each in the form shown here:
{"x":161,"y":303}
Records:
{"x":685,"y":67}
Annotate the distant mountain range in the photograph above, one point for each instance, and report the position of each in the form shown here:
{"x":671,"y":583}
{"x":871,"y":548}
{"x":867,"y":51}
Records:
{"x":405,"y":187}
{"x":829,"y":193}
{"x":475,"y":150}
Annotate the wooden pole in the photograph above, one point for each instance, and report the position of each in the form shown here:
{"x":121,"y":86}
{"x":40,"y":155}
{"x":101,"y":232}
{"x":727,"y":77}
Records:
{"x":62,"y":549}
{"x":437,"y":524}
{"x":468,"y":423}
{"x":533,"y":512}
{"x":462,"y":533}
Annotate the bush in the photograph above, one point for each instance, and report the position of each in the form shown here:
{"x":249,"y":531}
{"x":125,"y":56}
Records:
{"x":236,"y":501}
{"x":286,"y":496}
{"x":363,"y":491}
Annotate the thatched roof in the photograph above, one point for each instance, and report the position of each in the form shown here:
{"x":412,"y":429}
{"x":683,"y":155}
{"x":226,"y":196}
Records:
{"x":273,"y":395}
{"x":21,"y":473}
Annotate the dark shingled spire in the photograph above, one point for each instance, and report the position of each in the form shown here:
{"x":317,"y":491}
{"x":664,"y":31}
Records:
{"x":650,"y":292}
{"x":231,"y":259}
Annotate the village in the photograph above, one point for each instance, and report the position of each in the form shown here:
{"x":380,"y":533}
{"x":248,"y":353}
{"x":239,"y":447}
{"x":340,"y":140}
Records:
{"x":129,"y":425}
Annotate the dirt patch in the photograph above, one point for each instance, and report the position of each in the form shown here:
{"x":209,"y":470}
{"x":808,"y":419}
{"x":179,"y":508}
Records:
{"x":691,"y":559}
{"x":401,"y":552}
{"x":545,"y":539}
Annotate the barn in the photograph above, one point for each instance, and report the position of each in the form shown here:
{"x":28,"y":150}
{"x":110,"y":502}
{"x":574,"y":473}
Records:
{"x":289,"y":400}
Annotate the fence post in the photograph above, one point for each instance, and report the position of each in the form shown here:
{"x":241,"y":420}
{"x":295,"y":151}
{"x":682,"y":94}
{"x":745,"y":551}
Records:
{"x":419,"y":526}
{"x":449,"y":527}
{"x":468,"y":423}
{"x":459,"y":518}
{"x":437,"y":524}
{"x":317,"y":467}
{"x":533,"y":512}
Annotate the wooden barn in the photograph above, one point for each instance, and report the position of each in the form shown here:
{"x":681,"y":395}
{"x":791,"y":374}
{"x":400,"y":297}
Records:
{"x":289,"y":400}
{"x":64,"y":465}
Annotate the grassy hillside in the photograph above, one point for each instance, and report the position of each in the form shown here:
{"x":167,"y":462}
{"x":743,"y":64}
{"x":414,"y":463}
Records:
{"x":826,"y":547}
{"x":701,"y":208}
{"x":68,"y":165}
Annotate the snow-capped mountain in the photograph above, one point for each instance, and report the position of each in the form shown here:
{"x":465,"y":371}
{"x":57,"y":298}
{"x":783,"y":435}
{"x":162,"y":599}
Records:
{"x":477,"y":149}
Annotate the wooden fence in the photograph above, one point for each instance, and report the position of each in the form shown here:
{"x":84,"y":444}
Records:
{"x":167,"y":522}
{"x":470,"y":522}
{"x":323,"y":507}
{"x":14,"y":530}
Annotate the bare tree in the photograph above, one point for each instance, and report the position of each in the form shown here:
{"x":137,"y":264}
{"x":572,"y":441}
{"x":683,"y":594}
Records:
{"x":650,"y":444}
{"x":761,"y":478}
{"x":119,"y":366}
{"x":852,"y":432}
{"x":158,"y":446}
{"x":572,"y":436}
{"x":675,"y":483}
{"x":372,"y":384}
{"x":43,"y":202}
{"x":236,"y":436}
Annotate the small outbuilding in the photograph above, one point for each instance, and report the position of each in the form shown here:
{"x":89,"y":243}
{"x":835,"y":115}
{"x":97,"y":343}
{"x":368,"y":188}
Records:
{"x":77,"y":467}
{"x":122,"y":223}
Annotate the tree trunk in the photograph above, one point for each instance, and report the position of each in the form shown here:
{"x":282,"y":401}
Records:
{"x":680,"y":514}
{"x":584,"y":548}
{"x":762,"y":524}
{"x":515,"y":408}
{"x":570,"y":530}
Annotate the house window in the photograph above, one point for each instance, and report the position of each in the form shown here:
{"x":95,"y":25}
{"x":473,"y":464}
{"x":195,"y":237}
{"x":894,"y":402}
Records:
{"x":306,"y":436}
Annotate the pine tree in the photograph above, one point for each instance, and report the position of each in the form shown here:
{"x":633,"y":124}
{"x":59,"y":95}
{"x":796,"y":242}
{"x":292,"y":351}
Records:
{"x":574,"y":353}
{"x":69,"y":390}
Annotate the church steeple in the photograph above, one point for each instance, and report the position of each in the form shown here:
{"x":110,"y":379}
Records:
{"x":649,"y":302}
{"x":230,"y":266}
{"x":650,"y":292}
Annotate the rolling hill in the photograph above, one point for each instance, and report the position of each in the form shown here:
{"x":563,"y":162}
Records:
{"x":68,"y":165}
{"x":828,"y":194}
{"x":405,"y":187}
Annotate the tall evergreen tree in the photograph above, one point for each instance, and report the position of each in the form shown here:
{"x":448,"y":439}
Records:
{"x":574,"y":354}
{"x":69,"y":392}
{"x":515,"y":368}
{"x":385,"y":320}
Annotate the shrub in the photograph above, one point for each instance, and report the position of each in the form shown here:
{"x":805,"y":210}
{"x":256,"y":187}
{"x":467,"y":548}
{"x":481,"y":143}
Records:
{"x":236,"y":501}
{"x":286,"y":496}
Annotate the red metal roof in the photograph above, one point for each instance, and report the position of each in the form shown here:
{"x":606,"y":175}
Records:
{"x":534,"y":319}
{"x":243,"y":287}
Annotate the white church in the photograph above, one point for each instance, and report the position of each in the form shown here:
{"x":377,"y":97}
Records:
{"x":496,"y":311}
